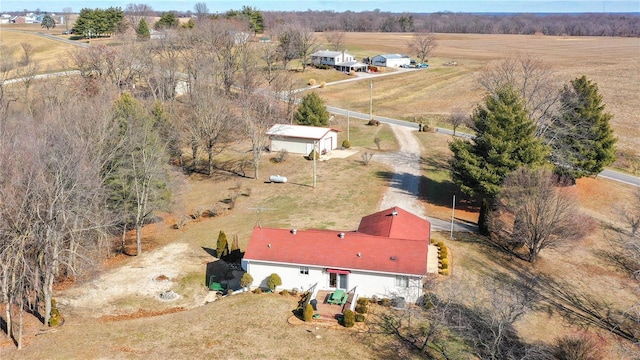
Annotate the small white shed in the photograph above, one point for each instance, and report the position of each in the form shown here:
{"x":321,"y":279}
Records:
{"x":299,"y":139}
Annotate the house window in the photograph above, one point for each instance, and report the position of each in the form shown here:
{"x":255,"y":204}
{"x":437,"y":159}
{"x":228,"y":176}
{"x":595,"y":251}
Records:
{"x":402,"y":281}
{"x":304,"y":270}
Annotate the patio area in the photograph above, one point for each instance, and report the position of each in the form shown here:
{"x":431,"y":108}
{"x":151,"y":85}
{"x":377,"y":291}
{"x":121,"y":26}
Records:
{"x":330,"y":311}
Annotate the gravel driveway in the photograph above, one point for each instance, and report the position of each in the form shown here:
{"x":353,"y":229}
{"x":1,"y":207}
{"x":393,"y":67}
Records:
{"x":404,"y":187}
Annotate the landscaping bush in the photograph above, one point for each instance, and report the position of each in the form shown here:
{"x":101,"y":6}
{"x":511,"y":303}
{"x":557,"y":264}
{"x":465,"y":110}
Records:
{"x":313,"y":154}
{"x":54,"y":315}
{"x":308,"y":313}
{"x":273,"y":281}
{"x":359,"y":318}
{"x":444,"y":252}
{"x":445,"y":263}
{"x":373,"y":299}
{"x":349,"y":318}
{"x":385,"y":302}
{"x":312,"y":82}
{"x":440,"y":244}
{"x":362,"y":305}
{"x":229,"y":292}
{"x":346,"y":144}
{"x":285,"y":293}
{"x":444,"y":272}
{"x":323,"y":84}
{"x":373,"y":122}
{"x":257,"y":291}
{"x":246,"y":280}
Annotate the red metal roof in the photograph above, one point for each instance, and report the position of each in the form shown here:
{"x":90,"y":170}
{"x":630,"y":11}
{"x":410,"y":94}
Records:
{"x":355,"y":250}
{"x":396,"y":223}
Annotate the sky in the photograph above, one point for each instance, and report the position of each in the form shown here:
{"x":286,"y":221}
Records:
{"x":396,"y":6}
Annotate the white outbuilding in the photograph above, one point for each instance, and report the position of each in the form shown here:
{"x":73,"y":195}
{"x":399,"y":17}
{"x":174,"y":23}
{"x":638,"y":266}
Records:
{"x":299,"y":139}
{"x":391,"y":60}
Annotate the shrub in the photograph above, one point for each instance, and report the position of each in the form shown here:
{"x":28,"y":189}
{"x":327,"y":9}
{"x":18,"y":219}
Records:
{"x":349,"y":318}
{"x":312,"y":82}
{"x":361,"y":309}
{"x":246,"y":280}
{"x":54,"y":315}
{"x":283,"y":155}
{"x":373,"y":122}
{"x":285,"y":293}
{"x":229,"y":292}
{"x":374,"y":299}
{"x":294,"y":292}
{"x":440,"y":244}
{"x":313,"y":154}
{"x":363,"y":301}
{"x":359,"y":318}
{"x":444,"y":252}
{"x":273,"y":281}
{"x":574,"y":347}
{"x":257,"y":291}
{"x":346,"y":144}
{"x":445,"y":263}
{"x":385,"y":302}
{"x":444,"y":272}
{"x":323,"y":84}
{"x":308,"y":313}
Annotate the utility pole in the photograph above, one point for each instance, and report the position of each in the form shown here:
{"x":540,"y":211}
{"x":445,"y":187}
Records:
{"x":315,"y":155}
{"x":453,"y":212}
{"x":371,"y":100}
{"x":348,"y":125}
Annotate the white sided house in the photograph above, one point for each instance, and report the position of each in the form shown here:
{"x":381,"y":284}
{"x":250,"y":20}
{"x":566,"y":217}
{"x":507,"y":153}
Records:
{"x":385,"y":257}
{"x":339,"y":60}
{"x":300,"y":139}
{"x":391,"y":60}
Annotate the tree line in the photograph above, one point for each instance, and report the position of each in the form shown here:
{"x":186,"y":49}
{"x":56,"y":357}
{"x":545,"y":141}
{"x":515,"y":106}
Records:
{"x":86,"y":159}
{"x":587,"y":24}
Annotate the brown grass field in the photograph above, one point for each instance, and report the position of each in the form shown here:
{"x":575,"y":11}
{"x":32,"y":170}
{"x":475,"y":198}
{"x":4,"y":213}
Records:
{"x":255,"y":326}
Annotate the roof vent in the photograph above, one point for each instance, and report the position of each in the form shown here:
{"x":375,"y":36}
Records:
{"x":341,"y":235}
{"x":394,"y":212}
{"x":394,"y":258}
{"x":294,"y":231}
{"x":269,"y":245}
{"x":359,"y":254}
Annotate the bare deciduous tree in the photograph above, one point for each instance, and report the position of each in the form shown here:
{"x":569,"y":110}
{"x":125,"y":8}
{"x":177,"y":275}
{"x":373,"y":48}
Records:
{"x":335,"y":39}
{"x":533,"y":79}
{"x":136,"y":12}
{"x":27,"y":53}
{"x":258,"y":115}
{"x":458,"y":118}
{"x":201,"y":10}
{"x":536,"y":213}
{"x":423,"y":44}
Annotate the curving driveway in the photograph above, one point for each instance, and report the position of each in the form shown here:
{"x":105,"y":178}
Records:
{"x":404,"y":187}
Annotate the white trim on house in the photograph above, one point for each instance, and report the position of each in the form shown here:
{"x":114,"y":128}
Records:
{"x":368,"y":283}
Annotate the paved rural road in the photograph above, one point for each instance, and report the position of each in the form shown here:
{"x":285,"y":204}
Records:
{"x":607,"y":173}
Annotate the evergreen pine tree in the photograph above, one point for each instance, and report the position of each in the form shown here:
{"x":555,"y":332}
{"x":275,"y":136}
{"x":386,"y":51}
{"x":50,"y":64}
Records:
{"x":312,"y":111}
{"x":581,"y":138}
{"x":505,"y":140}
{"x":143,"y":30}
{"x":222,"y":246}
